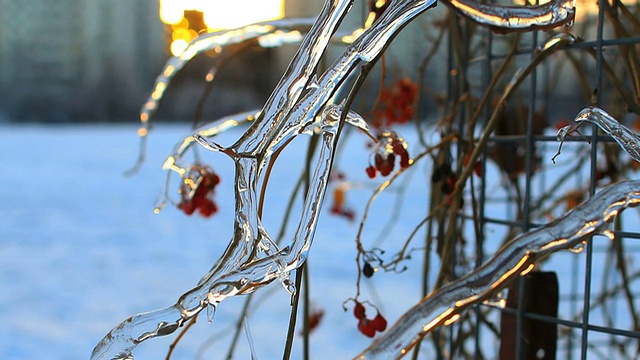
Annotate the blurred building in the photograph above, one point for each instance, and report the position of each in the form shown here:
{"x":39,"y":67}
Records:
{"x":88,"y":60}
{"x":77,"y":60}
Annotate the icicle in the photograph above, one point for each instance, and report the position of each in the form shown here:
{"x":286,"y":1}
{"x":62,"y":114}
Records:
{"x":505,"y":18}
{"x":211,"y":312}
{"x":514,"y":259}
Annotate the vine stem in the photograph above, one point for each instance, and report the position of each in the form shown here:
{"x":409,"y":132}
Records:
{"x":294,"y":313}
{"x":175,"y":342}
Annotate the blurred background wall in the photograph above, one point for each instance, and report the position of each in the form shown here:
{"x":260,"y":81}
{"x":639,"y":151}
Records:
{"x":86,"y":60}
{"x":77,"y":60}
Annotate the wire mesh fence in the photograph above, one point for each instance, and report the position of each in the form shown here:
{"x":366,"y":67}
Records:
{"x":595,"y":297}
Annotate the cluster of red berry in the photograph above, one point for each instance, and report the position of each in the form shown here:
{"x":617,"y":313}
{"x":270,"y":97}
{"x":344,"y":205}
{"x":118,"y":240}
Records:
{"x":369,"y":326}
{"x":396,"y":104}
{"x":388,"y":147}
{"x":197,"y":191}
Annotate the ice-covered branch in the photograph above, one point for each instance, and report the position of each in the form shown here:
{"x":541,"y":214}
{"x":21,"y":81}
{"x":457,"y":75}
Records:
{"x":627,"y":139}
{"x":363,"y":51}
{"x":287,"y":30}
{"x":519,"y":256}
{"x":251,"y":259}
{"x":506,"y":18}
{"x":516,"y":258}
{"x":265,"y":34}
{"x":301,"y":101}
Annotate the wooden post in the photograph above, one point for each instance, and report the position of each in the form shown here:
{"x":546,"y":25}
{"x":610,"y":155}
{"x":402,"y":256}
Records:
{"x":538,"y":338}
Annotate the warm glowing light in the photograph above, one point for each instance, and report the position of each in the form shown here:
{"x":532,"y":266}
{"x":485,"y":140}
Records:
{"x":528,"y":269}
{"x":348,"y":39}
{"x":169,"y":70}
{"x":219,"y":14}
{"x":578,"y":248}
{"x":216,"y":15}
{"x":502,"y":303}
{"x":453,"y":319}
{"x":169,"y":163}
{"x":584,"y":8}
{"x":430,"y":325}
{"x":465,"y":302}
{"x":171,"y":12}
{"x":278,"y":38}
{"x":178,"y":46}
{"x":555,"y":243}
{"x":609,"y":234}
{"x":507,"y":275}
{"x":158,"y":91}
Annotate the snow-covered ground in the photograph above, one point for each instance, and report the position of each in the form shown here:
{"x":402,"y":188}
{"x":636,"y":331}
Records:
{"x":81,"y":249}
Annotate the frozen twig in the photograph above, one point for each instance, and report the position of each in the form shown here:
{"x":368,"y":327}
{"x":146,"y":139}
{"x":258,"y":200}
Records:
{"x":516,"y":258}
{"x":506,"y":18}
{"x":627,"y":139}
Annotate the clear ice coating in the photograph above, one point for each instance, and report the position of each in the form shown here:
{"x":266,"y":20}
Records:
{"x":505,"y":18}
{"x":266,"y":34}
{"x":516,"y":258}
{"x":300,"y":102}
{"x":291,"y":110}
{"x":627,"y":139}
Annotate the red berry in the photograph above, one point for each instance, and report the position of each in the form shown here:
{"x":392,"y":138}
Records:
{"x":364,"y":325}
{"x":451,"y":183}
{"x":371,"y":172}
{"x":398,"y":148}
{"x":404,"y":160}
{"x":478,"y":168}
{"x":187,"y":207}
{"x":385,"y":165}
{"x":216,"y":179}
{"x":379,"y":323}
{"x":359,"y":311}
{"x":314,"y":319}
{"x":199,"y":197}
{"x":208,"y":208}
